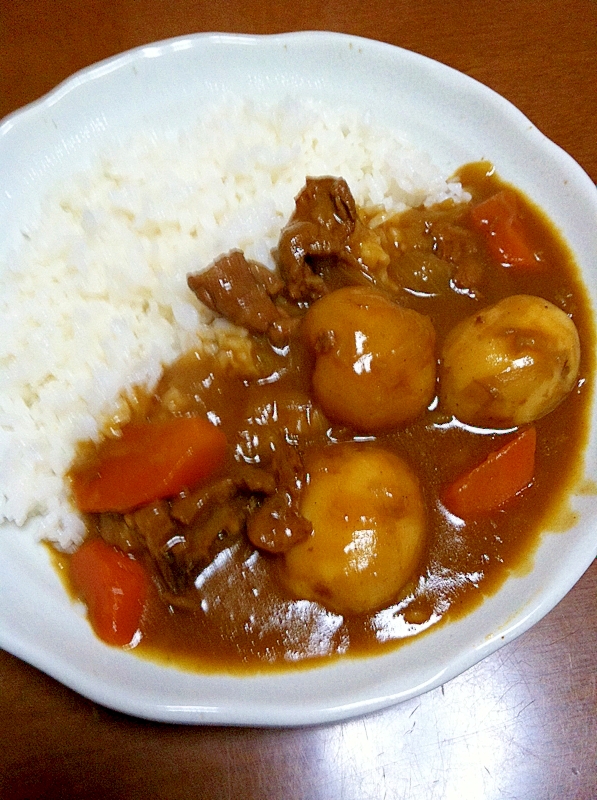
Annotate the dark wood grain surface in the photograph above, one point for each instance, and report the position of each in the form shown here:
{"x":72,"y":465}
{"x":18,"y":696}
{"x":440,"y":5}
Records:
{"x":522,"y":723}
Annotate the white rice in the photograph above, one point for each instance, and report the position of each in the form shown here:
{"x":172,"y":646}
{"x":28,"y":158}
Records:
{"x":95,"y":301}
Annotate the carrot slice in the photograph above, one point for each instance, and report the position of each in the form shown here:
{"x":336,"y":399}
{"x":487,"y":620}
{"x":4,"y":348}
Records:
{"x":495,"y":481}
{"x":113,"y":586}
{"x":497,"y":218}
{"x":147,"y":462}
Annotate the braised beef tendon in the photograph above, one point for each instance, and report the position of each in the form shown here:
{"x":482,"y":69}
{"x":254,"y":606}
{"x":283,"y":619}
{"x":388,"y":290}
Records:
{"x":346,"y":510}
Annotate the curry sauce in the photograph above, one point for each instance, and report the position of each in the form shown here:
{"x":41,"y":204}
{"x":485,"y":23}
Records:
{"x":233,"y":608}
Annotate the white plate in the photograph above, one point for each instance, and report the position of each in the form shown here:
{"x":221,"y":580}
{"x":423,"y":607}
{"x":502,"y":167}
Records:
{"x":446,"y":113}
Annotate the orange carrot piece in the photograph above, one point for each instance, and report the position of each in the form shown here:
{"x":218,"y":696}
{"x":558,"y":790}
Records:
{"x":498,"y":220}
{"x":147,"y":462}
{"x":495,"y":481}
{"x":114,"y":588}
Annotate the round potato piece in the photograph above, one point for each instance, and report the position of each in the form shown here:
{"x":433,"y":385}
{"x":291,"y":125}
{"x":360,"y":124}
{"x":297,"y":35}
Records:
{"x":509,"y":364}
{"x":375,"y":364}
{"x":369,"y":529}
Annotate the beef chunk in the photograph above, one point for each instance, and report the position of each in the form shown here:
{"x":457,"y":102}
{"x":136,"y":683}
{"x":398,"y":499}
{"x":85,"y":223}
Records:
{"x":156,"y":529}
{"x":180,"y":551}
{"x":277,"y":525}
{"x":242,"y":292}
{"x":319,"y":230}
{"x":242,"y":478}
{"x":115,"y":531}
{"x":186,"y":508}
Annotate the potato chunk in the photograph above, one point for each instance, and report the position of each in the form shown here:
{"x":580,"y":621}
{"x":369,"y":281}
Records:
{"x":375,"y":365}
{"x":369,"y":526}
{"x":509,"y":364}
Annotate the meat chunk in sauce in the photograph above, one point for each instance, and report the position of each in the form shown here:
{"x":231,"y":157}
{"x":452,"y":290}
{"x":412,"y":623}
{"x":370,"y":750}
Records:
{"x":278,"y":524}
{"x":242,"y":292}
{"x":318,"y":231}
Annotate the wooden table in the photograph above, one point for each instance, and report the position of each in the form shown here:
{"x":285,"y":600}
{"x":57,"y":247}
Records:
{"x":523,"y":723}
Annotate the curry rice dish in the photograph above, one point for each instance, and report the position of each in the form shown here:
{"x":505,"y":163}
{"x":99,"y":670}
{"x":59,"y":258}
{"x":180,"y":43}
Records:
{"x":369,"y":441}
